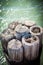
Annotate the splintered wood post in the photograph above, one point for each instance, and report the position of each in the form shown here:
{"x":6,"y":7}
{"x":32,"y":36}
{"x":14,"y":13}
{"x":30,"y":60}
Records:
{"x":29,"y":23}
{"x":15,"y":50}
{"x":13,"y":25}
{"x":6,"y":36}
{"x":19,"y":30}
{"x":37,"y":31}
{"x":31,"y":47}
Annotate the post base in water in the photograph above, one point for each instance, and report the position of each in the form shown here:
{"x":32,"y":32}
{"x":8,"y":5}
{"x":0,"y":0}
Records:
{"x":33,"y":62}
{"x":25,"y":62}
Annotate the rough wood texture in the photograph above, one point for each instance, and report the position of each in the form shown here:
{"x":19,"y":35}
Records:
{"x":15,"y":50}
{"x":29,"y":23}
{"x":6,"y":36}
{"x":31,"y":47}
{"x":13,"y":47}
{"x":20,"y":28}
{"x":13,"y":25}
{"x":37,"y":30}
{"x":39,"y":34}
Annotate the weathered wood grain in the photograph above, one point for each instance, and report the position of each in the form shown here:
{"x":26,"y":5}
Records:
{"x":6,"y":36}
{"x":13,"y":25}
{"x":31,"y":48}
{"x":15,"y":50}
{"x":37,"y":33}
{"x":20,"y":29}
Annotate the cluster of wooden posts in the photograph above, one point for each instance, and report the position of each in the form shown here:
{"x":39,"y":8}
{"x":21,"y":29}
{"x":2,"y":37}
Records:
{"x":22,"y":41}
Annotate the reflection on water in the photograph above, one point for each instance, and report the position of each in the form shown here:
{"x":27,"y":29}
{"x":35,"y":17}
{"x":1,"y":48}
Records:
{"x":11,"y":10}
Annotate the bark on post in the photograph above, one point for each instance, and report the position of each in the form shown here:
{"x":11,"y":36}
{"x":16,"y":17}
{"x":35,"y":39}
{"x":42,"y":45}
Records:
{"x":31,"y":47}
{"x":15,"y":50}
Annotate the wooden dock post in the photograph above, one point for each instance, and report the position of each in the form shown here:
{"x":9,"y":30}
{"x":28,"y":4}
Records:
{"x":37,"y":31}
{"x":31,"y":47}
{"x":6,"y":36}
{"x":15,"y":50}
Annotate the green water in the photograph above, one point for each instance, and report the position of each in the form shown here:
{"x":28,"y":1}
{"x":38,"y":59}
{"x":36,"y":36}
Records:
{"x":12,"y":10}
